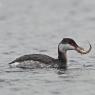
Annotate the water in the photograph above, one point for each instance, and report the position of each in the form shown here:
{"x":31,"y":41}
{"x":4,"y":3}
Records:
{"x":37,"y":26}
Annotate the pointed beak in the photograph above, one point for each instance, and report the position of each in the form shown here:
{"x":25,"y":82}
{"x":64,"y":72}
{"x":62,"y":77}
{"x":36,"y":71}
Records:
{"x":82,"y":50}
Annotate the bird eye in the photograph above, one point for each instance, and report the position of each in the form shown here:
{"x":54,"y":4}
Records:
{"x":71,"y":44}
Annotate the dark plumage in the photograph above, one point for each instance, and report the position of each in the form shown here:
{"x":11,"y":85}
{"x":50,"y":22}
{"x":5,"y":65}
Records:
{"x":36,"y":57}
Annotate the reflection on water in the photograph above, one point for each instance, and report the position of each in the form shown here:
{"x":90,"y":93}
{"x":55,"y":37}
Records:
{"x":37,"y":26}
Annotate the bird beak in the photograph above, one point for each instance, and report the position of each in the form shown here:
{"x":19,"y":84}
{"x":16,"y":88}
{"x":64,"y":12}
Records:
{"x":82,"y":50}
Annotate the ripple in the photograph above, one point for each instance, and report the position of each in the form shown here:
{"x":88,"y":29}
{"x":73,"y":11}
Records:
{"x":55,"y":92}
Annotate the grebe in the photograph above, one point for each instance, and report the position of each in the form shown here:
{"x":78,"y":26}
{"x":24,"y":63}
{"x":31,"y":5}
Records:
{"x":41,"y":60}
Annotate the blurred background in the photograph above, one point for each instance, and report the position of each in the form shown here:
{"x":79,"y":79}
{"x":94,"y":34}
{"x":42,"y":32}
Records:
{"x":37,"y":26}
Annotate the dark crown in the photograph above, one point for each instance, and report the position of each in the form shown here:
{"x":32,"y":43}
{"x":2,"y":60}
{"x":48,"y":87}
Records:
{"x":69,"y":41}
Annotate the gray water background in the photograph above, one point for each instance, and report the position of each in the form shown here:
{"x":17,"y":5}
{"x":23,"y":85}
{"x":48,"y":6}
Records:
{"x":37,"y":26}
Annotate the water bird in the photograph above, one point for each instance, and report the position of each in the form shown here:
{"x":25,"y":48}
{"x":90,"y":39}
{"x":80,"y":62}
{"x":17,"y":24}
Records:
{"x":32,"y":61}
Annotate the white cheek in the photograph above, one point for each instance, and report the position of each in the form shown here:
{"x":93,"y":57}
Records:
{"x":65,"y":47}
{"x":62,"y":48}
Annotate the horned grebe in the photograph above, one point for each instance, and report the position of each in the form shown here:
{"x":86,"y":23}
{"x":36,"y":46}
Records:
{"x":42,"y":61}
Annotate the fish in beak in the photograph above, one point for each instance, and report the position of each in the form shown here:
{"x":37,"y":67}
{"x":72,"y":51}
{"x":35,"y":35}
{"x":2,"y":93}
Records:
{"x":82,"y":50}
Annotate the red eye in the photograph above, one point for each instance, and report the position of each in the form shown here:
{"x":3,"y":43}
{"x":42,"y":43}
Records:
{"x":72,"y":44}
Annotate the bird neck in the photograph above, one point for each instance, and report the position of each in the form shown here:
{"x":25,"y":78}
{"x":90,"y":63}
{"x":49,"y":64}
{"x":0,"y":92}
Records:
{"x":62,"y":57}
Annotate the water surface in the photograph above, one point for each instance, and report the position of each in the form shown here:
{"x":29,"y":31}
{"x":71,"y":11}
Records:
{"x":37,"y":26}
